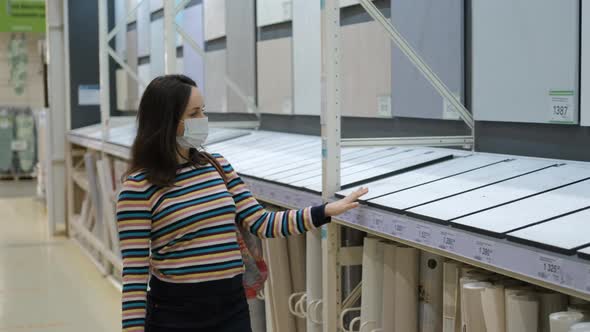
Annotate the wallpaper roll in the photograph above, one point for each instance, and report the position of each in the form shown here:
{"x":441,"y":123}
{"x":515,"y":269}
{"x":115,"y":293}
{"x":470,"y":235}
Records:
{"x":580,"y":327}
{"x":522,"y":311}
{"x":400,"y":289}
{"x":371,"y":292}
{"x":473,"y":315}
{"x":550,"y":302}
{"x":493,"y":307}
{"x":451,"y":309}
{"x":471,"y":278}
{"x":431,"y":292}
{"x":562,"y":321}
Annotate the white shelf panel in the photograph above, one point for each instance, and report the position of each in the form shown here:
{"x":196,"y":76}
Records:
{"x":529,"y":211}
{"x":519,"y":260}
{"x":585,"y":253}
{"x":424,"y":175}
{"x":387,"y":165}
{"x":503,"y":192}
{"x":563,"y":234}
{"x":431,"y":192}
{"x":277,"y":158}
{"x":257,"y":155}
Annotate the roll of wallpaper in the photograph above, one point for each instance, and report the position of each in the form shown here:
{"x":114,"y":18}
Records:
{"x":562,"y":321}
{"x":580,"y":327}
{"x":550,"y":302}
{"x":522,"y":311}
{"x":451,"y":309}
{"x":493,"y":307}
{"x":473,"y":316}
{"x":400,"y":288}
{"x":472,"y":278}
{"x":371,"y":292}
{"x":431,"y":292}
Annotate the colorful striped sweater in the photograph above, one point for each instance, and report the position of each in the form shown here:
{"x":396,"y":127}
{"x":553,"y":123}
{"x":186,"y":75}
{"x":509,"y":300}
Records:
{"x":187,"y":233}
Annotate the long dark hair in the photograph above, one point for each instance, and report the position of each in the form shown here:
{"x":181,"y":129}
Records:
{"x":155,"y":149}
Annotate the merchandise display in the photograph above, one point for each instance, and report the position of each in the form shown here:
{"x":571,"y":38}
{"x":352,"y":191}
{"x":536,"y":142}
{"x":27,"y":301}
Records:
{"x":562,"y":321}
{"x":431,"y":292}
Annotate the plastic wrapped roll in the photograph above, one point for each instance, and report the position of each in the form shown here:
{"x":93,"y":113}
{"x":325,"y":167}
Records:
{"x":400,"y":288}
{"x":473,"y":316}
{"x":562,"y":321}
{"x":550,"y":302}
{"x":580,"y":327}
{"x":371,"y":293}
{"x":493,"y":305}
{"x":451,"y":309}
{"x":471,"y":278}
{"x":522,"y":311}
{"x":431,"y":292}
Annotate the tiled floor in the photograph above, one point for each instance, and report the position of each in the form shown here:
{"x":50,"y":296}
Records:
{"x":46,"y":283}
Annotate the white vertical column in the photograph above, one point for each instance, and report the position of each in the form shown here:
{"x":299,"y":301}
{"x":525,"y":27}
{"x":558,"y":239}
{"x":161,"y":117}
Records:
{"x":169,"y":37}
{"x":56,"y":179}
{"x":585,"y":65}
{"x":330,"y":123}
{"x":307,"y":99}
{"x":103,"y":64}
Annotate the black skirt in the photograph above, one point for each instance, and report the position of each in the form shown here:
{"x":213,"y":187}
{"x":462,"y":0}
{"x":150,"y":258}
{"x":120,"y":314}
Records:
{"x":213,"y":306}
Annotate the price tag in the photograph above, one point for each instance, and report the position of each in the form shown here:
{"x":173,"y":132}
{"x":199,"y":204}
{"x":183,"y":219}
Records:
{"x":550,"y":269}
{"x":399,"y":229}
{"x":562,"y":106}
{"x":19,"y":145}
{"x":448,"y":240}
{"x":484,"y":251}
{"x":423,"y":234}
{"x":379,"y":222}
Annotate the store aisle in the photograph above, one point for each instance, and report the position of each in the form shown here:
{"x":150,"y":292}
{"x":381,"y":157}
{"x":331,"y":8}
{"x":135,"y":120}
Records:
{"x":47,"y":284}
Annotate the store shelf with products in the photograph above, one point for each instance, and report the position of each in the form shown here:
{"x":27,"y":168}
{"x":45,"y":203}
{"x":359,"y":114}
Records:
{"x":464,"y":205}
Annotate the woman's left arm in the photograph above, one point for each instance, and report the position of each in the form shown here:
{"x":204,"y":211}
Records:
{"x":265,"y":224}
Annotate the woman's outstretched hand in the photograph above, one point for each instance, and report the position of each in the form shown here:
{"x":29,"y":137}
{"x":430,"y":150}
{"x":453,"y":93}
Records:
{"x":347,"y":203}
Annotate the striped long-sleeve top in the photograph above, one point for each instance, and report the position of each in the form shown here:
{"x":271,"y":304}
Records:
{"x":187,"y":233}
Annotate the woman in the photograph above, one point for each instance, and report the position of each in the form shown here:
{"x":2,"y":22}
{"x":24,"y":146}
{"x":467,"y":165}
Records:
{"x":177,"y":213}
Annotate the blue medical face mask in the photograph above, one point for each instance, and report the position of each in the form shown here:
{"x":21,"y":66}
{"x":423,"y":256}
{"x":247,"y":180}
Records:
{"x":195,"y":133}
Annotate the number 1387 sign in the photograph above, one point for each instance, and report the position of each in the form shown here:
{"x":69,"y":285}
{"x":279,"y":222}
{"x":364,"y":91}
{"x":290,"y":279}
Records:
{"x":562,"y":106}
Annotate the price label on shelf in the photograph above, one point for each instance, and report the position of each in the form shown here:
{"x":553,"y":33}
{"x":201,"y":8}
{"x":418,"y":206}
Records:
{"x":378,"y":223}
{"x":423,"y":234}
{"x":550,"y":269}
{"x":399,"y":229}
{"x":562,"y":106}
{"x":484,"y":251}
{"x":448,"y":240}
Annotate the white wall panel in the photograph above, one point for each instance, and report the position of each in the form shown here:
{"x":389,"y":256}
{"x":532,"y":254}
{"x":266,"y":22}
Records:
{"x":143,"y":29}
{"x":215,"y":92}
{"x":273,"y":11}
{"x":585,"y":65}
{"x":307,"y":58}
{"x":435,"y":31}
{"x":365,"y":67}
{"x":132,"y":99}
{"x":194,"y":66}
{"x":275,"y":78}
{"x":121,"y":36}
{"x":241,"y":52}
{"x":523,"y":50}
{"x":214,"y":19}
{"x":156,"y":5}
{"x":143,"y":71}
{"x":157,"y":48}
